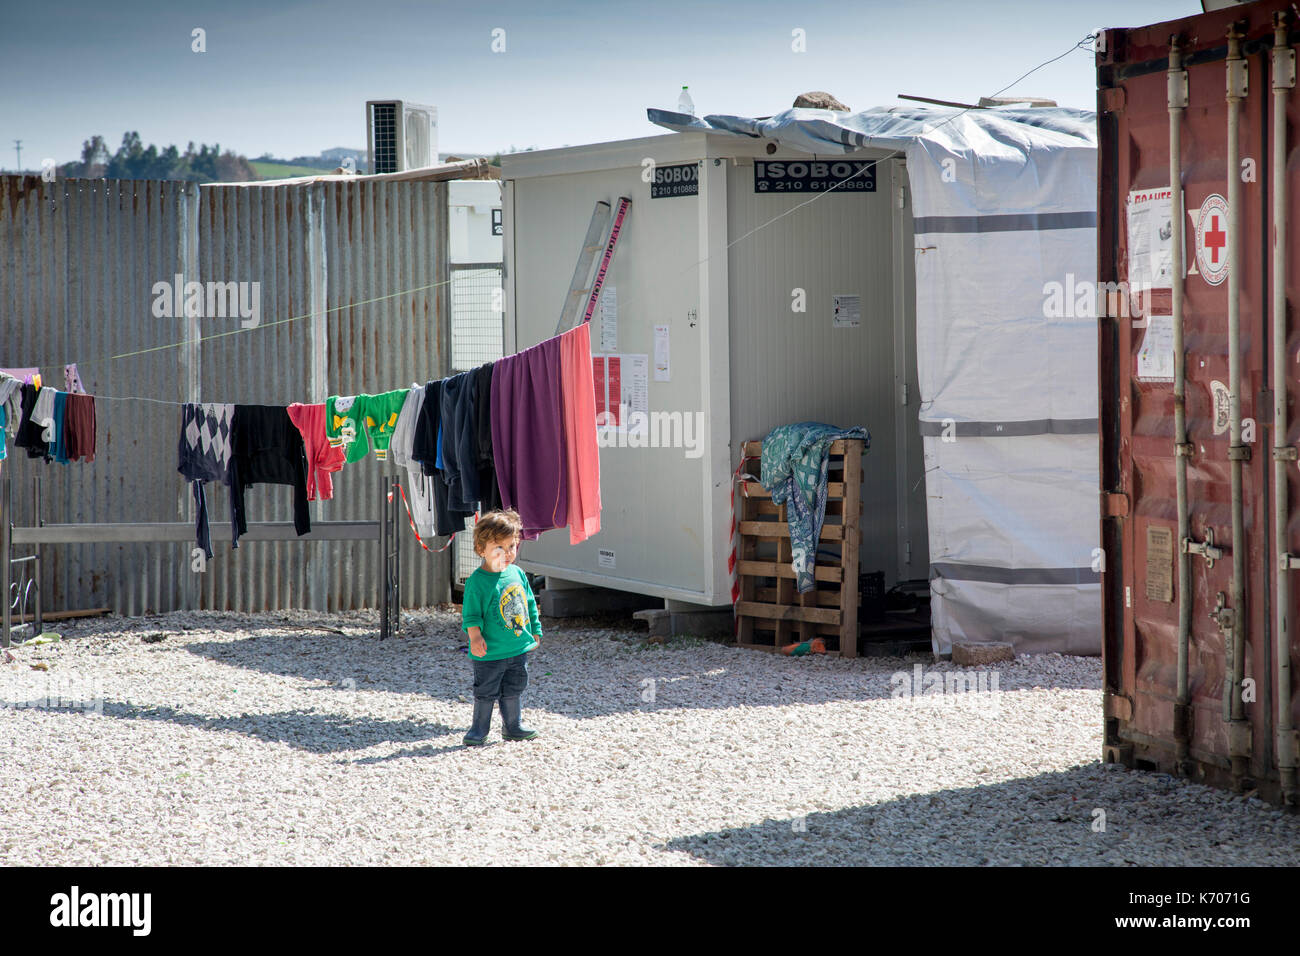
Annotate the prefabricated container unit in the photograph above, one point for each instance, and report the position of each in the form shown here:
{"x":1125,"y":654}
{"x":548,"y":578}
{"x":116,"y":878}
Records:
{"x":728,"y":285}
{"x":1198,"y":376}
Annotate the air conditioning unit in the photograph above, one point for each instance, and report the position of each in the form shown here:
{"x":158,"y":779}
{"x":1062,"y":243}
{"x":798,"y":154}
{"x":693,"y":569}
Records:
{"x":401,"y":135}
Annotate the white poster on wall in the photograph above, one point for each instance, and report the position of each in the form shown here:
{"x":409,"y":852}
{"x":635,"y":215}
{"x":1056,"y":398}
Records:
{"x":609,"y":319}
{"x":1150,"y":239}
{"x":663,"y":371}
{"x":848,"y":312}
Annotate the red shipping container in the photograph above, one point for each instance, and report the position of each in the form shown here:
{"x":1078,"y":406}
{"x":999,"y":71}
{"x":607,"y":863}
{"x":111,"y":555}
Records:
{"x":1198,"y":607}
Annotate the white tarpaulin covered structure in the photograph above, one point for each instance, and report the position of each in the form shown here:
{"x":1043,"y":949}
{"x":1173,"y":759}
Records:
{"x":1004,"y":208}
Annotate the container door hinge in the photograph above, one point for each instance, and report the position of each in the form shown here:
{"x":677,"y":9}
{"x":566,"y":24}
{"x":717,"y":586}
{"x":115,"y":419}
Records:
{"x":902,"y":197}
{"x":1284,"y":453}
{"x":1283,"y":68}
{"x":1114,"y":504}
{"x":1288,"y":562}
{"x":1288,"y":747}
{"x":1178,"y":90}
{"x":1182,"y":721}
{"x":1208,"y":551}
{"x":1239,"y":738}
{"x":1112,"y":99}
{"x":905,"y":384}
{"x":1183,"y":449}
{"x":1119,"y":706}
{"x":1238,"y":79}
{"x":1238,"y":453}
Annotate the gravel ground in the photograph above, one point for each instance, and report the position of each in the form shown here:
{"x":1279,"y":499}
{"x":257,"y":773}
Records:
{"x":298,"y":738}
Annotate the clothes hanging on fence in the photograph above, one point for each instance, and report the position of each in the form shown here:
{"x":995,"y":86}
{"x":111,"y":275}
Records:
{"x":28,"y":435}
{"x":420,"y":487}
{"x":79,"y":419}
{"x":582,"y":455}
{"x":323,"y":458}
{"x":447,"y":520}
{"x":459,"y":466}
{"x":43,"y":414}
{"x":380,"y":413}
{"x":60,"y":443}
{"x":204,"y":453}
{"x":489,"y":493}
{"x":345,"y":425}
{"x":528,"y":437}
{"x":268,"y":449}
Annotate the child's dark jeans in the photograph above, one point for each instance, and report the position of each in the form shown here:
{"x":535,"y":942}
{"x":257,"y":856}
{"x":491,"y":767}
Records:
{"x":504,"y":678}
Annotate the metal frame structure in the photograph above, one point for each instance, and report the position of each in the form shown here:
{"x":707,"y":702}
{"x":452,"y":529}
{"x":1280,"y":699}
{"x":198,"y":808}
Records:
{"x":385,"y":530}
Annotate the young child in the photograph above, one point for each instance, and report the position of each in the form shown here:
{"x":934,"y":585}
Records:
{"x":500,"y":615}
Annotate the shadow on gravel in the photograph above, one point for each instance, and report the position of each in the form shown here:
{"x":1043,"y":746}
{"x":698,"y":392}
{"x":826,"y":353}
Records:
{"x":314,"y":733}
{"x":631,"y":678}
{"x":1046,"y":820}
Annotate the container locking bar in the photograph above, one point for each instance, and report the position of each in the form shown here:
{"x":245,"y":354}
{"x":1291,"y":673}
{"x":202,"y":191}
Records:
{"x":1205,"y":549}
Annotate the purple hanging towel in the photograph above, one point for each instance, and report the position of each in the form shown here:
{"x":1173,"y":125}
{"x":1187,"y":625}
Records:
{"x":528,"y":442}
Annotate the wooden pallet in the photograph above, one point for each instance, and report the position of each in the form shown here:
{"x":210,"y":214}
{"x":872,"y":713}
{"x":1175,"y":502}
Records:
{"x":770,"y":614}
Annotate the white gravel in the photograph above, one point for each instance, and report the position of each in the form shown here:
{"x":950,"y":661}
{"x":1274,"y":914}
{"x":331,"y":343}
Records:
{"x":266,"y":739}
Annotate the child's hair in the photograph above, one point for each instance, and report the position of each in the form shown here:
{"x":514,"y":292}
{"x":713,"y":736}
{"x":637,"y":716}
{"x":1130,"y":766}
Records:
{"x":496,"y":526}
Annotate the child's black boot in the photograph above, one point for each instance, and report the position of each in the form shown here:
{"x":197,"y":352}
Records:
{"x":511,"y":728}
{"x":482,"y":724}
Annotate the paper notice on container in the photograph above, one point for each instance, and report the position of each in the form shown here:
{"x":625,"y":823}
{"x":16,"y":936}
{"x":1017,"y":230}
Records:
{"x":1156,"y":356}
{"x":848,"y":311}
{"x":609,"y":319}
{"x":622,"y":390}
{"x":1150,"y":239}
{"x":662,"y":371}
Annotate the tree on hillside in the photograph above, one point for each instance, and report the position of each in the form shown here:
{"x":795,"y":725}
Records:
{"x":133,"y":160}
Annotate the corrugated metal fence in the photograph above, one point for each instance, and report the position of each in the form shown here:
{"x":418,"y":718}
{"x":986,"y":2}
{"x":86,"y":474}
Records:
{"x":351,"y":296}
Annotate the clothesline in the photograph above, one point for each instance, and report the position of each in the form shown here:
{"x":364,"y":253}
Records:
{"x":519,"y":432}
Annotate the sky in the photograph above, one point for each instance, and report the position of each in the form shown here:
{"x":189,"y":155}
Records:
{"x":292,"y":78}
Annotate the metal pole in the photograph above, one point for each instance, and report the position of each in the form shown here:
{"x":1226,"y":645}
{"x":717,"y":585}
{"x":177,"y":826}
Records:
{"x":383,"y":562}
{"x":1237,"y":452}
{"x":1182,"y":447}
{"x":1284,"y":733}
{"x":6,"y":554}
{"x":36,"y":565}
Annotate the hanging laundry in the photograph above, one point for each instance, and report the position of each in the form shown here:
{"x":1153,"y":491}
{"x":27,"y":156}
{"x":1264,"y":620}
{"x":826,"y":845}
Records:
{"x":72,"y":380}
{"x":447,"y":520}
{"x":10,"y":409}
{"x":267,"y":450}
{"x":80,"y":422}
{"x":489,"y":493}
{"x":582,"y":454}
{"x":345,"y":425}
{"x":380,"y":415}
{"x":528,"y":437}
{"x":323,"y":458}
{"x":28,"y":435}
{"x":205,"y":453}
{"x":794,"y":468}
{"x":420,"y":486}
{"x":458,"y":466}
{"x":60,"y":443}
{"x":43,"y":414}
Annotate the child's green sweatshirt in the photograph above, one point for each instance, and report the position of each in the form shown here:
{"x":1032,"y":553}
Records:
{"x":502,"y":606}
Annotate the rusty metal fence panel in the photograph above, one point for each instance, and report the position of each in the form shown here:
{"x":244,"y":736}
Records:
{"x":351,"y":295}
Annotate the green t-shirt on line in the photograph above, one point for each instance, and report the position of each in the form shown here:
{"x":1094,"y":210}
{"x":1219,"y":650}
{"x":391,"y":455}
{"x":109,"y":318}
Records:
{"x":502,"y":606}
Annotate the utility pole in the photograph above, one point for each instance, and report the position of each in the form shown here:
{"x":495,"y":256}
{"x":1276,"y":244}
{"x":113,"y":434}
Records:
{"x":18,"y":148}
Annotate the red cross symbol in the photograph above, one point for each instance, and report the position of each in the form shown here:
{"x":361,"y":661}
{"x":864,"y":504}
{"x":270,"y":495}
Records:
{"x":1215,"y":239}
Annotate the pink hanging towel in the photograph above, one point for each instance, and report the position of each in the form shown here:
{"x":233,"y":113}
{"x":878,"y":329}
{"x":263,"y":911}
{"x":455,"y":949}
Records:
{"x":322,"y":458}
{"x":582,"y":456}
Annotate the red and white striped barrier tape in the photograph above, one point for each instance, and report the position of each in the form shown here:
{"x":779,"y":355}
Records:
{"x":414,"y":531}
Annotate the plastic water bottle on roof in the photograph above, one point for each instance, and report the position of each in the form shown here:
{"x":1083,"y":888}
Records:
{"x":684,"y":103}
